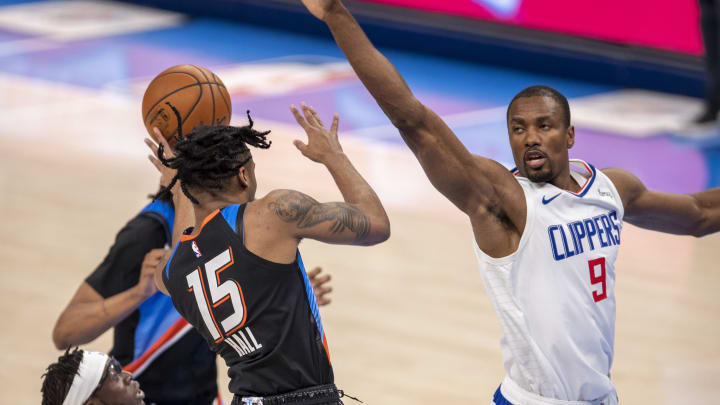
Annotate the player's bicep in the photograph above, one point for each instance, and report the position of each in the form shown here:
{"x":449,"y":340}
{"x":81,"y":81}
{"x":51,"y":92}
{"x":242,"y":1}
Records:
{"x":465,"y":179}
{"x":334,"y":222}
{"x":654,"y":210}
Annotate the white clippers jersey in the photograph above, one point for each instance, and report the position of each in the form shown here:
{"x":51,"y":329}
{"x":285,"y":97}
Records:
{"x":555,"y":295}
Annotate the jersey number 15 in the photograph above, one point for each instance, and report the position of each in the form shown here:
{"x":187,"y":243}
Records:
{"x":219,"y":293}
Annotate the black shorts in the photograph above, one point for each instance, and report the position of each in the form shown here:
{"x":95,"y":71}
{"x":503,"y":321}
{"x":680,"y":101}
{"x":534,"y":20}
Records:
{"x":317,"y":395}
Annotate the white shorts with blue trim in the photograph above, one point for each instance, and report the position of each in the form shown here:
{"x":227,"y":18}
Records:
{"x":509,"y":393}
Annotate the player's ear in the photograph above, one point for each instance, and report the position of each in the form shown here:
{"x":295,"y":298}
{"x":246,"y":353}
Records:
{"x":570,"y":137}
{"x":243,"y":177}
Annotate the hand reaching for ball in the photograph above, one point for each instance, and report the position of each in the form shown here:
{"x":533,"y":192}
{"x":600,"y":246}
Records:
{"x":166,"y":173}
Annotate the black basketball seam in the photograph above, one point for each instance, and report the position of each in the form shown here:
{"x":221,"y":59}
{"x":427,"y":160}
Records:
{"x":189,"y":112}
{"x":212,"y":93}
{"x":172,"y":73}
{"x":227,"y":103}
{"x":175,"y":91}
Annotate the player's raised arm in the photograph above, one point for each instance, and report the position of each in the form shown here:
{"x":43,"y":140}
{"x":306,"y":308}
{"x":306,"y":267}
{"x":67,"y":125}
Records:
{"x":468,"y":181}
{"x":359,"y":220}
{"x":695,"y":214}
{"x":184,"y":215}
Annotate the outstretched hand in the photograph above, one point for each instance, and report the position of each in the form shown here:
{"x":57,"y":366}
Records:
{"x":322,"y":143}
{"x":320,"y":8}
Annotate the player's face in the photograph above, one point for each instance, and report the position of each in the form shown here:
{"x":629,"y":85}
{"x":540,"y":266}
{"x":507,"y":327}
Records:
{"x":119,"y":388}
{"x":538,"y":137}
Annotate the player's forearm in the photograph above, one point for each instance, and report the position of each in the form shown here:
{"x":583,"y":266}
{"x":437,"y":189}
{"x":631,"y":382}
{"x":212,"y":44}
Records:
{"x":83,"y":322}
{"x":375,"y":71}
{"x":708,"y":203}
{"x":356,"y":191}
{"x":184,"y":215}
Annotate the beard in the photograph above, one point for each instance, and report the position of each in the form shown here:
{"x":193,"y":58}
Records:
{"x":543,"y":175}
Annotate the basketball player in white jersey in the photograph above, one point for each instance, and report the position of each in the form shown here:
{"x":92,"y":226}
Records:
{"x":546,"y":236}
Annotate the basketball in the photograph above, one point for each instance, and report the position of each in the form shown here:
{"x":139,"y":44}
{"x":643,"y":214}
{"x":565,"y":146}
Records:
{"x":198,"y":95}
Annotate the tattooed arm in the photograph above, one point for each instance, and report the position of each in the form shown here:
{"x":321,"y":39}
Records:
{"x":334,"y":222}
{"x":359,"y":220}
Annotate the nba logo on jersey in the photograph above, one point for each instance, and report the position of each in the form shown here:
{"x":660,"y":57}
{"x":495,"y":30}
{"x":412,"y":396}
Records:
{"x":196,"y":249}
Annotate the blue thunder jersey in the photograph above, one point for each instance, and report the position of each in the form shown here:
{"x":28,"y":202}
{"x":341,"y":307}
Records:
{"x":153,"y":342}
{"x":260,"y":316}
{"x":555,"y":297}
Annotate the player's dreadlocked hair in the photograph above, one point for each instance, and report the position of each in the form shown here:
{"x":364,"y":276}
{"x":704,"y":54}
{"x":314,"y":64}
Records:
{"x":59,"y":377}
{"x":210,"y":155}
{"x":544,"y":91}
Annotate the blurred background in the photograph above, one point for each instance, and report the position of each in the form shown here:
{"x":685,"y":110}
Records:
{"x":410,"y":322}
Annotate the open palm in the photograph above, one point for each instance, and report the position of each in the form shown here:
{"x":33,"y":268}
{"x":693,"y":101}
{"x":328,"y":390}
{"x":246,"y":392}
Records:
{"x":320,"y":8}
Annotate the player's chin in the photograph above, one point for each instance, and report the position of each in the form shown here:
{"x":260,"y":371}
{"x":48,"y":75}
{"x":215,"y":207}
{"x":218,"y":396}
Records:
{"x":541,"y":174}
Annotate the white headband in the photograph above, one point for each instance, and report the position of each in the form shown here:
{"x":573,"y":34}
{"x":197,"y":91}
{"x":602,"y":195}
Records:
{"x":87,"y":378}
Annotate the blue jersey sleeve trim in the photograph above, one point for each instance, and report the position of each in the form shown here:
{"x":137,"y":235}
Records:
{"x":590,"y":183}
{"x":230,"y":213}
{"x":311,"y":296}
{"x":163,"y":212}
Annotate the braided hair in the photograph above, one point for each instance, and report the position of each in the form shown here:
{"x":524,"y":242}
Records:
{"x":208,"y":156}
{"x":58,"y":377}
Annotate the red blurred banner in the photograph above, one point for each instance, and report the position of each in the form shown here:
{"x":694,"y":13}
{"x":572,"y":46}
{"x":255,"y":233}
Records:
{"x":672,"y":25}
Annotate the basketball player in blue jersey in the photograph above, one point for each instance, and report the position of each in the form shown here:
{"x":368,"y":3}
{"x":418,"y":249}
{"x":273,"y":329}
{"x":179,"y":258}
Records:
{"x":237,"y":276}
{"x":546,"y":237}
{"x":151,"y":340}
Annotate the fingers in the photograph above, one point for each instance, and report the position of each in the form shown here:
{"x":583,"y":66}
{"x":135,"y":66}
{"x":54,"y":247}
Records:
{"x":307,"y":112}
{"x":335,"y":124}
{"x":152,"y":145}
{"x":154,"y":256}
{"x":321,"y":295}
{"x":310,"y":112}
{"x":314,"y":272}
{"x":167,"y":150}
{"x":153,"y":157}
{"x":319,"y":281}
{"x":156,"y":162}
{"x":299,"y":118}
{"x":300,"y":145}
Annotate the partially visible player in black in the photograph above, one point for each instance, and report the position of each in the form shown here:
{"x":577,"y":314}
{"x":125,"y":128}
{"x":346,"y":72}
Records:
{"x":89,"y":378}
{"x":151,"y":340}
{"x":238,"y":276}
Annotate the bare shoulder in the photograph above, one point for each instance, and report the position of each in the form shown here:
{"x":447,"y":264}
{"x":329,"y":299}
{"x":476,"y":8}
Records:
{"x":627,"y":184}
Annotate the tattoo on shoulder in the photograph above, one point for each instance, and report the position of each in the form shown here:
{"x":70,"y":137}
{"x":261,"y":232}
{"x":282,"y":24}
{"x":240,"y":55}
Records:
{"x":297,"y":207}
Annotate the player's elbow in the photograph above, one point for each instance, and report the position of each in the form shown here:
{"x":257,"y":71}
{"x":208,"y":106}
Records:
{"x":702,"y":228}
{"x":60,"y":338}
{"x":379,"y":232}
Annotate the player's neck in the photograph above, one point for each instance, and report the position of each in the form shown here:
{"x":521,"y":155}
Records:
{"x":208,"y":204}
{"x":565,"y":181}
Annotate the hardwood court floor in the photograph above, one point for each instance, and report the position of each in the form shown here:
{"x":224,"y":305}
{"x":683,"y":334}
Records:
{"x":410,"y":322}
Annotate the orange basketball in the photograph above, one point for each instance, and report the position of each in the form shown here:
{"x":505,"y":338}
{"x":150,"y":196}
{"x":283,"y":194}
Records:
{"x":199,"y":96}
